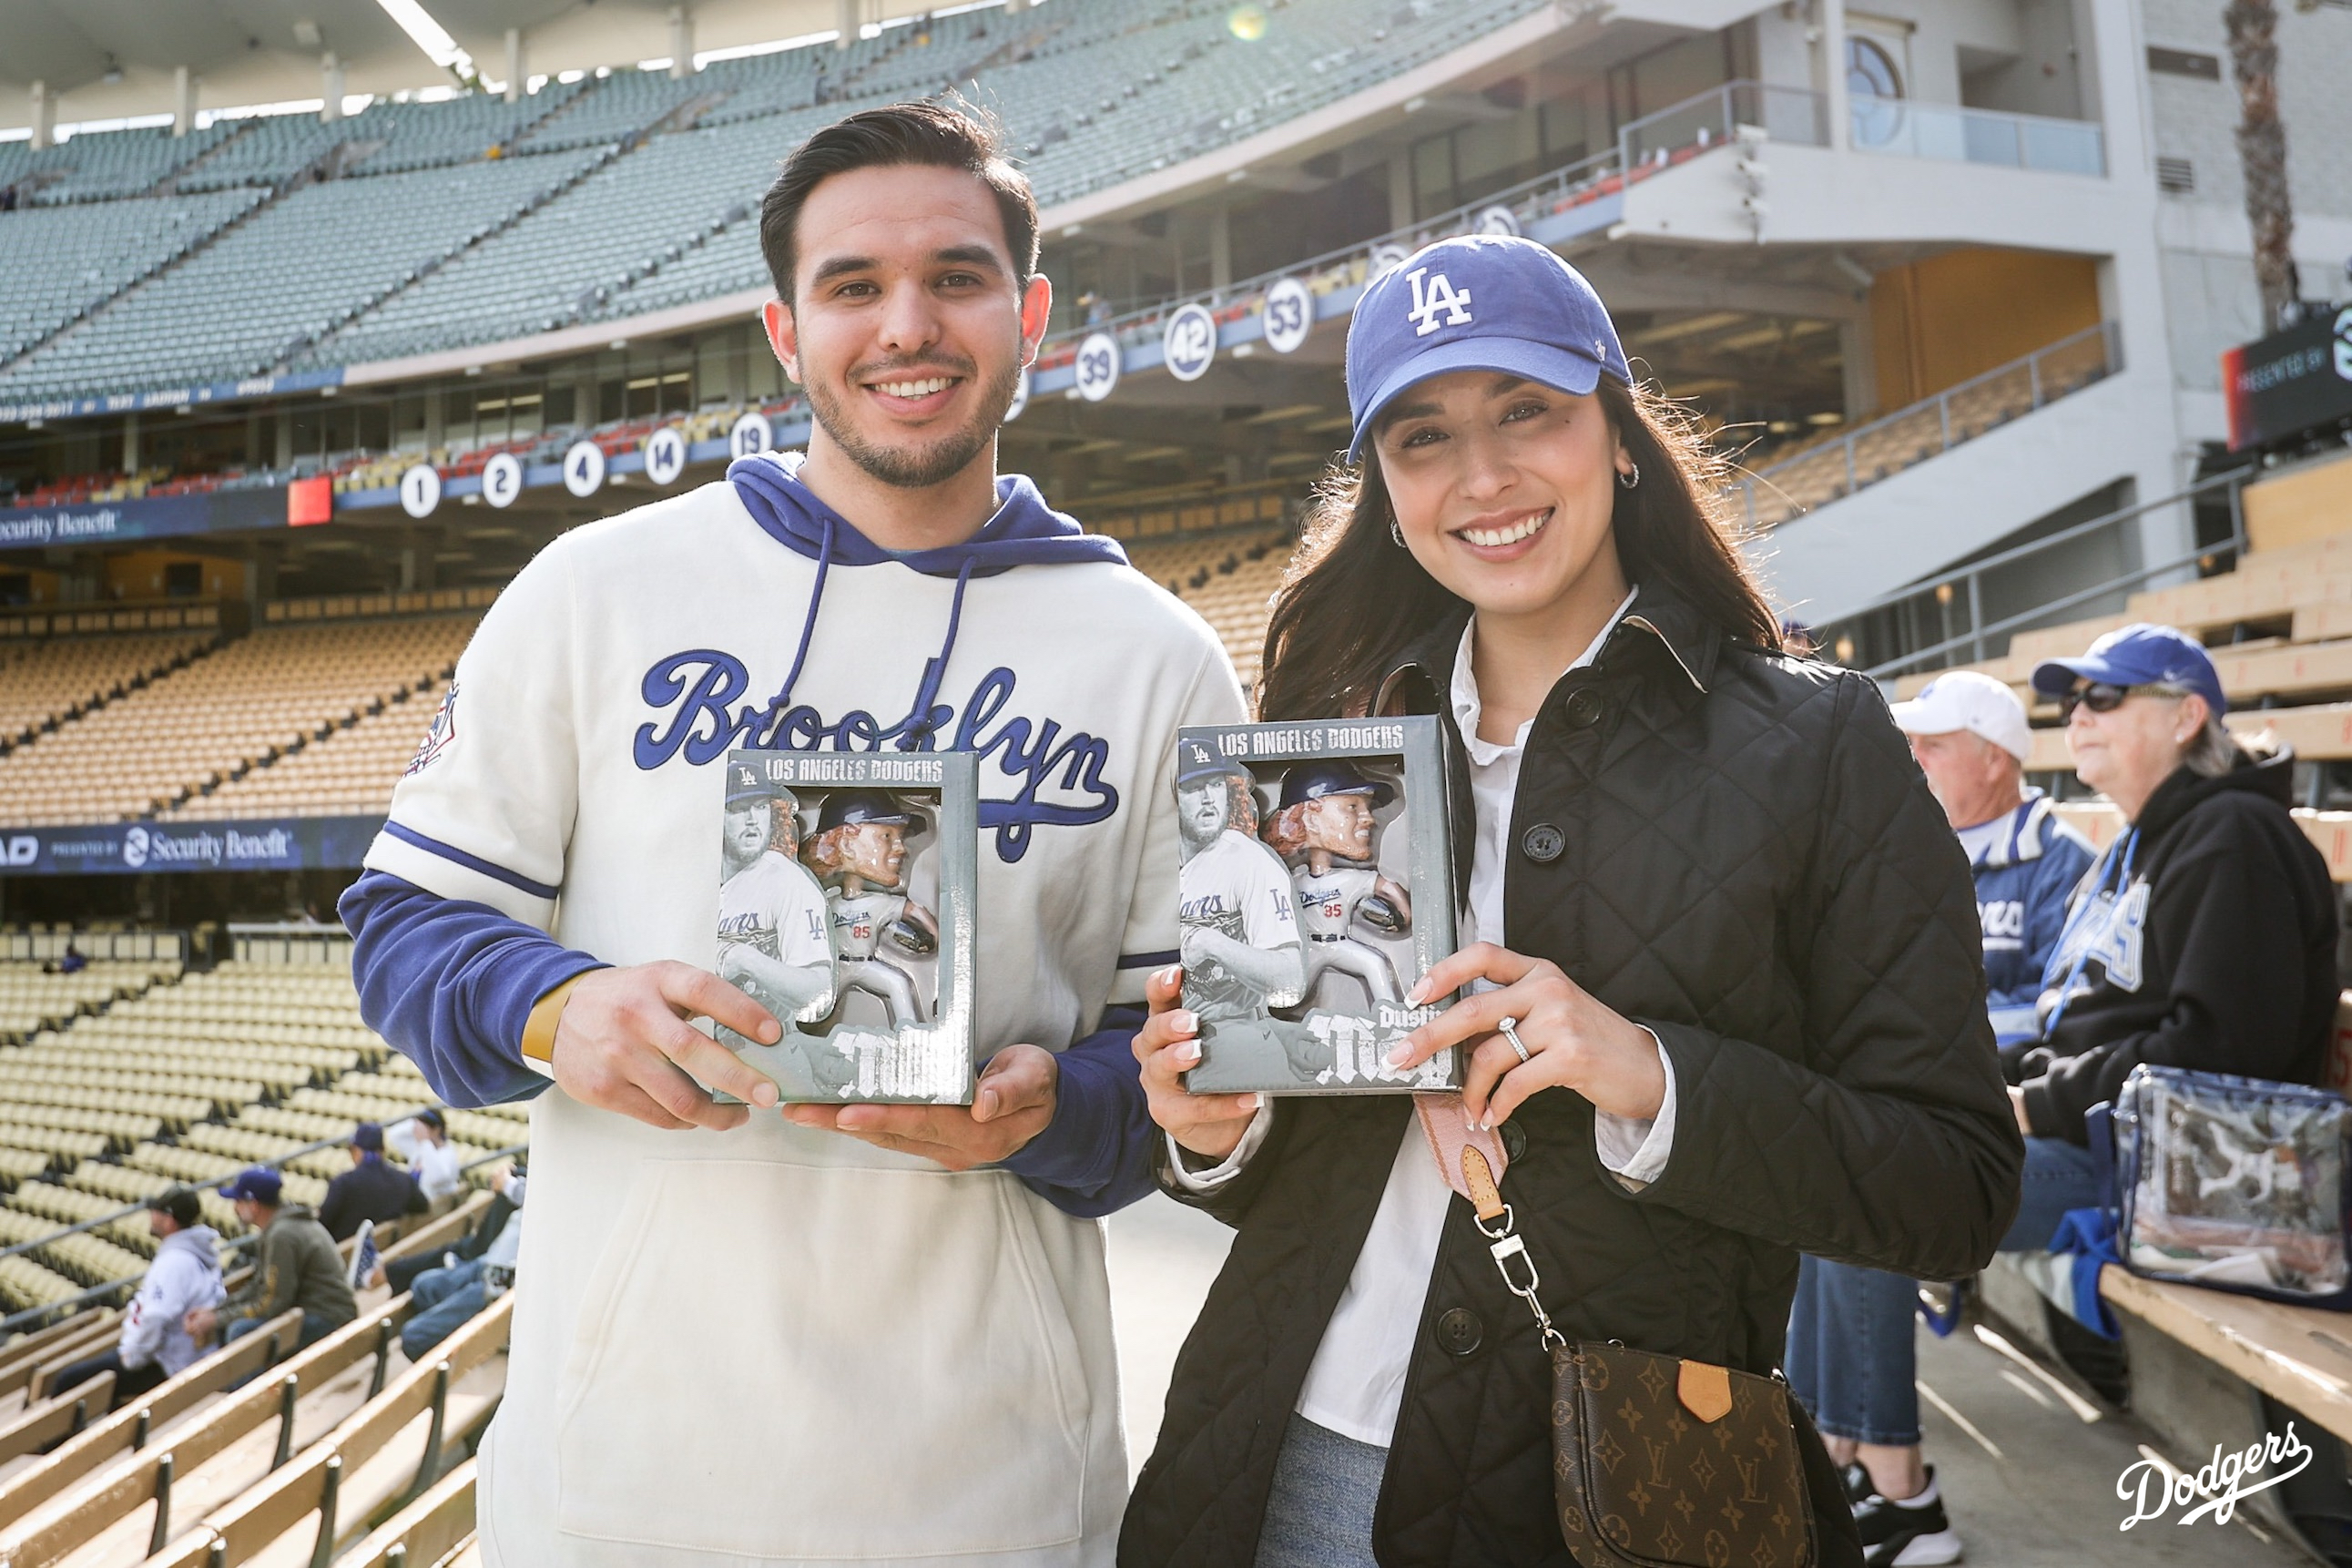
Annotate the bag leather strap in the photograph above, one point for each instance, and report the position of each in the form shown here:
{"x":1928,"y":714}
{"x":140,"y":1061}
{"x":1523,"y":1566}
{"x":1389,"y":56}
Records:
{"x":1471,"y":1163}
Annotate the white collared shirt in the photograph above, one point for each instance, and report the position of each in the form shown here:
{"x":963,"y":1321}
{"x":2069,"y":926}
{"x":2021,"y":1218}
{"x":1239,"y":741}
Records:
{"x":1356,"y":1383}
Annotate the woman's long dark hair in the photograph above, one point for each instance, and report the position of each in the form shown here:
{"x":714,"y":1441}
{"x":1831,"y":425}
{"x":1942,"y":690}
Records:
{"x":1352,"y":600}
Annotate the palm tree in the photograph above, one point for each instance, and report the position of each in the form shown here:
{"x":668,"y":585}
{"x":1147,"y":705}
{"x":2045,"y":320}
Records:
{"x":2262,"y":151}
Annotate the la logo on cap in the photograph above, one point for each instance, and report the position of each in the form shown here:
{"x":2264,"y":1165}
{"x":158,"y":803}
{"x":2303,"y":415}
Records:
{"x":1441,"y":295}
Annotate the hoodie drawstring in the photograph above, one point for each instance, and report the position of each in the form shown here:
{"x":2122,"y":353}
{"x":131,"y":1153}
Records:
{"x":917,"y":725}
{"x":783,"y":697}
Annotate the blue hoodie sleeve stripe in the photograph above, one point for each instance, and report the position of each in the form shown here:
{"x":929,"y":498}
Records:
{"x":451,"y":984}
{"x":455,"y":855}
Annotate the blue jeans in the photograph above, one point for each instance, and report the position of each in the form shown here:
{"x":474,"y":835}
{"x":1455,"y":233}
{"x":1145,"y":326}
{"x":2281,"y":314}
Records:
{"x":440,"y":1301}
{"x":2058,"y":1177}
{"x":1320,"y":1512}
{"x":1852,"y":1360}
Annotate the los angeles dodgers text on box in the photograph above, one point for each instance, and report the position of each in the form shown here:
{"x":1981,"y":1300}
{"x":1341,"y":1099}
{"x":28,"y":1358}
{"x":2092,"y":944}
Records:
{"x":1312,"y":741}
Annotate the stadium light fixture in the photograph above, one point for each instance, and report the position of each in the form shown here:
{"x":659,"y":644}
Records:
{"x":429,"y":36}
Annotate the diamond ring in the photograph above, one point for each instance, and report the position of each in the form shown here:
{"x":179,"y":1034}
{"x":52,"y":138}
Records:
{"x":1510,"y":1029}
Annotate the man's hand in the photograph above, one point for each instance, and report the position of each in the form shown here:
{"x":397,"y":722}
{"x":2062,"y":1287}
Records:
{"x":1013,"y":1102}
{"x":1168,"y":1044}
{"x":200,"y":1322}
{"x":623,"y":1044}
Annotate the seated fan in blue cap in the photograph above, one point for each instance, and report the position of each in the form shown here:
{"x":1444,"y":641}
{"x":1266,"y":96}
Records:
{"x":1722,"y":999}
{"x":2204,"y":936}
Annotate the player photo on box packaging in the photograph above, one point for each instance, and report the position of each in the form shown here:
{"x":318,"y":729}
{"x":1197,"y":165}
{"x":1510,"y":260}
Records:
{"x":846,"y":908}
{"x":1313,"y":895}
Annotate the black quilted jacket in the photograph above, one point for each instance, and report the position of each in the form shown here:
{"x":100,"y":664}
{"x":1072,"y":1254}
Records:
{"x":1735,"y":849}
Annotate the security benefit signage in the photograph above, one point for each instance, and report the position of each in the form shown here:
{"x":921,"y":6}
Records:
{"x":2291,"y":383}
{"x":136,"y":848}
{"x":1315,"y":892}
{"x":141,"y":517}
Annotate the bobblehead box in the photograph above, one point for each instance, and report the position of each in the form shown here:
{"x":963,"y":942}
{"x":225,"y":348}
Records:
{"x":1316,"y":890}
{"x":848,"y":908}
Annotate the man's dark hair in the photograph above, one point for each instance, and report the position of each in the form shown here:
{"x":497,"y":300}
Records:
{"x":181,"y":1204}
{"x":899,"y":134}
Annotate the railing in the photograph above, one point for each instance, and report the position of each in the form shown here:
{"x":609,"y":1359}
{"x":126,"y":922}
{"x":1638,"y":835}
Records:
{"x":97,"y":946}
{"x":1886,"y":446}
{"x":1645,"y":147}
{"x":1966,"y":584}
{"x":1950,"y":134}
{"x":1795,"y":114}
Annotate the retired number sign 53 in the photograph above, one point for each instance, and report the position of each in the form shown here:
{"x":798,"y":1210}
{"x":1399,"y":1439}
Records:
{"x":1288,"y":316}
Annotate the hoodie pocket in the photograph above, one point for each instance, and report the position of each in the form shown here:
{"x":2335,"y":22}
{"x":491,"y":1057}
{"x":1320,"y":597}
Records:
{"x":791,"y":1362}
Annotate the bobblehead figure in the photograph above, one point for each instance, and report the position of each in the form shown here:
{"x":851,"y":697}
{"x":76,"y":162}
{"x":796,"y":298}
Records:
{"x":859,"y":852}
{"x":1324,"y":829}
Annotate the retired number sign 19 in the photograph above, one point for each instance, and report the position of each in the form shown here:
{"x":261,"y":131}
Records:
{"x":1190,"y":343}
{"x":1097,"y":366}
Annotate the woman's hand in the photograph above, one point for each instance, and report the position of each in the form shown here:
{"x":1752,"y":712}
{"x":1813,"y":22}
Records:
{"x":1573,"y":1041}
{"x":1167,"y":1044}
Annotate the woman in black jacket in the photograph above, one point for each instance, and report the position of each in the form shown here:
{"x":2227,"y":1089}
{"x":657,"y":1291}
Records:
{"x":1736,"y":939}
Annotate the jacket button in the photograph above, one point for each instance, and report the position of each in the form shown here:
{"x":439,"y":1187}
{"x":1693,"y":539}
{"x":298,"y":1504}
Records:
{"x":1543,"y":843}
{"x":1583,"y":710}
{"x":1459,"y":1332}
{"x":1515,"y":1140}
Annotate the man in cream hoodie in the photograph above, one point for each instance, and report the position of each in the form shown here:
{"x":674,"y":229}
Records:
{"x":831,"y":1335}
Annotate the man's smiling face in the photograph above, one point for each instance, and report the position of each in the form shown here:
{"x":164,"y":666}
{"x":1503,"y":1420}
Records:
{"x":906,"y":326}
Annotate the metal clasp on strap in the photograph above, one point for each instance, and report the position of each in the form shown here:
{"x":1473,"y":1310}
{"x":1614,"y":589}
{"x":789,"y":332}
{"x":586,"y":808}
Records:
{"x":1508,"y":1246}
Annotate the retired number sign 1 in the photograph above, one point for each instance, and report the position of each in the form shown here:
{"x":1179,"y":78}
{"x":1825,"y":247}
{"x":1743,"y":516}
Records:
{"x":1190,"y":343}
{"x":1097,"y":366}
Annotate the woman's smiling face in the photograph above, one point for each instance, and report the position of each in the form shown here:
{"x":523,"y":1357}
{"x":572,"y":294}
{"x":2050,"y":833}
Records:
{"x":1503,"y":487}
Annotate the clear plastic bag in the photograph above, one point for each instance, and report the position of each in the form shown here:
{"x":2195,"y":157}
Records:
{"x":2233,"y":1181}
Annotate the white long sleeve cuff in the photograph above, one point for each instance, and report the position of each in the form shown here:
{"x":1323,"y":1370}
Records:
{"x":1635,"y":1150}
{"x":1226,"y":1169}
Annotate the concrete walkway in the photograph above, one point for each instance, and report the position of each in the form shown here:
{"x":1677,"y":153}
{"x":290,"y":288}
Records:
{"x":2028,"y":1463}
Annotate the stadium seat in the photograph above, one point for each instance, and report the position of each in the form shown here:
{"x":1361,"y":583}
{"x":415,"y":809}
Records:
{"x":273,"y":692}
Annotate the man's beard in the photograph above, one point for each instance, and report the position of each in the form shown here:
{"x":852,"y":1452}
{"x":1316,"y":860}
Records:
{"x":919,"y":468}
{"x":1194,"y":839}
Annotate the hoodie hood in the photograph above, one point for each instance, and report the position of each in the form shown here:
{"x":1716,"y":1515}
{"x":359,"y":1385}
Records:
{"x":2270,"y":776}
{"x":1025,"y":531}
{"x":201,"y":1242}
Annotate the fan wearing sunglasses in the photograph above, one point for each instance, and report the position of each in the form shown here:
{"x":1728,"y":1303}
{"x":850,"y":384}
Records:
{"x":2204,"y":936}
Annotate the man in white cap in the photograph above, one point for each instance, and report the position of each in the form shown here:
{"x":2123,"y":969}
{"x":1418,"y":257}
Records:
{"x":1851,"y":1354}
{"x":1969,"y":732}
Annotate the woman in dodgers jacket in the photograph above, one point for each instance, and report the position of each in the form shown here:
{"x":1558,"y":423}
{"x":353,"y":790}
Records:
{"x":1733,"y":926}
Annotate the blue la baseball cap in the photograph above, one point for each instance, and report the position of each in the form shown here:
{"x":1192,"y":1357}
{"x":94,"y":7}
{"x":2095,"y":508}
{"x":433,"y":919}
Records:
{"x":1479,"y":302}
{"x":852,"y":808}
{"x":1197,"y":760}
{"x":1313,"y":780}
{"x":255,"y":1184}
{"x":2139,"y":654}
